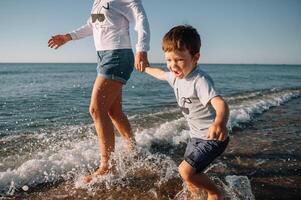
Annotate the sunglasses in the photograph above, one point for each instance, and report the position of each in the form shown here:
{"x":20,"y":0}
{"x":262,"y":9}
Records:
{"x":184,"y":101}
{"x":100,"y":17}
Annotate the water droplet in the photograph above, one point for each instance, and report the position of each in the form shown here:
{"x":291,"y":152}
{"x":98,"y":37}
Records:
{"x":25,"y":188}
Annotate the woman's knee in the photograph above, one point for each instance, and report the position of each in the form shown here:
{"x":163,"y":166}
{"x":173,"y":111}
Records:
{"x":92,"y":111}
{"x":95,"y":112}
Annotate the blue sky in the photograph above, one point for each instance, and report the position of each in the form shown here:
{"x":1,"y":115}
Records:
{"x":232,"y":31}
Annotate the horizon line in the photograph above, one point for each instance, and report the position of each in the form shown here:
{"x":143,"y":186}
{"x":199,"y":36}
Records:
{"x":150,"y":63}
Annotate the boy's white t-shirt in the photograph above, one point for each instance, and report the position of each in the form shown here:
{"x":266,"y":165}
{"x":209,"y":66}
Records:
{"x":112,"y":30}
{"x":193,"y":94}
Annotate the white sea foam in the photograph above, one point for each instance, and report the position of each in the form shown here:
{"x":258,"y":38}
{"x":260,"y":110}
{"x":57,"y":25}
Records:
{"x":49,"y":168}
{"x":239,"y":188}
{"x":170,"y":132}
{"x":131,"y":165}
{"x":246,"y":109}
{"x":74,"y":160}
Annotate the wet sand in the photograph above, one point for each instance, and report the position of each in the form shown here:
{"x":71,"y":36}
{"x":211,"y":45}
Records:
{"x":267,"y":152}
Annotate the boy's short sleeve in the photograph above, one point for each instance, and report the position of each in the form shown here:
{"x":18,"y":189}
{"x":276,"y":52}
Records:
{"x":170,"y":78}
{"x":205,"y":90}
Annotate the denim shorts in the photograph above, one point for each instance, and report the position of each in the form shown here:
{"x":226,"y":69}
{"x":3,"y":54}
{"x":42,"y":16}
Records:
{"x":200,"y":153}
{"x":116,"y":64}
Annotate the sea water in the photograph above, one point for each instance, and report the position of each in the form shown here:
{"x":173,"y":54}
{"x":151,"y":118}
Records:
{"x":47,"y":135}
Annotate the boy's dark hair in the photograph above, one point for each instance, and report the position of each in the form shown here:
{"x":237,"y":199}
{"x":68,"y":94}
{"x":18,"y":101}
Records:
{"x":180,"y":38}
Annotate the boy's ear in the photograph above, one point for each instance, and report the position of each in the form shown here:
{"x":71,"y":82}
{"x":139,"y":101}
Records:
{"x":196,"y":57}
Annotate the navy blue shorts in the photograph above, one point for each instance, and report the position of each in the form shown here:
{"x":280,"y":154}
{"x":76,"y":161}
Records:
{"x":200,"y":153}
{"x":117,"y":64}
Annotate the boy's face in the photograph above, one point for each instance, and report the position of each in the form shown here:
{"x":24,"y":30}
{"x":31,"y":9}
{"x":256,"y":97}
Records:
{"x":181,"y":63}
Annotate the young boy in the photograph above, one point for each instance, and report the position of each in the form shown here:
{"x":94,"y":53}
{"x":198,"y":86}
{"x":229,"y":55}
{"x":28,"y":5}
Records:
{"x":205,"y":111}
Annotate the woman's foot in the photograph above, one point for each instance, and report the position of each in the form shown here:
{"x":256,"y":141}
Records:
{"x":102,"y":170}
{"x":217,"y":196}
{"x":130,"y":145}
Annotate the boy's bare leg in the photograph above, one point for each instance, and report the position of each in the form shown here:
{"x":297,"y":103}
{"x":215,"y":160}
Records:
{"x":104,"y":93}
{"x":121,"y":122}
{"x":195,"y":182}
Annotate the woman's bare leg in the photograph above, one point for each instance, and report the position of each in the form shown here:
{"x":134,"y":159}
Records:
{"x":104,"y":94}
{"x":121,"y":121}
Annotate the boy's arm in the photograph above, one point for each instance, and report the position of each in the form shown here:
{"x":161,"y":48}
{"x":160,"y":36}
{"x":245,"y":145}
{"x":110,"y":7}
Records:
{"x":218,"y":129}
{"x":156,"y":72}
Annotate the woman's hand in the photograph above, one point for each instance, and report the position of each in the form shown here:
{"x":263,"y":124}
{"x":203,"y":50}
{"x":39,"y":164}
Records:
{"x":58,"y":40}
{"x":141,"y":61}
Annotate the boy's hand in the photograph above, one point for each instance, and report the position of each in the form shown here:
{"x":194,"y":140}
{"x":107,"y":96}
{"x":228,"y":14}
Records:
{"x":141,"y":61}
{"x":217,"y":132}
{"x":218,"y":129}
{"x":58,"y":40}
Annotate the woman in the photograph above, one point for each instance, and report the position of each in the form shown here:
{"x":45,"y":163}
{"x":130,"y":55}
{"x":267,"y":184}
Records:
{"x":109,"y":25}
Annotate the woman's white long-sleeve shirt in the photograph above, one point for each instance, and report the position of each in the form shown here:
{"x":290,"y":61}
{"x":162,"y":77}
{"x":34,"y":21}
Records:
{"x":109,"y":25}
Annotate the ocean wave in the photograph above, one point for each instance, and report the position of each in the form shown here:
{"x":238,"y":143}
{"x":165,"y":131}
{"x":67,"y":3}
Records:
{"x":244,"y":107}
{"x":49,"y":166}
{"x":73,"y":162}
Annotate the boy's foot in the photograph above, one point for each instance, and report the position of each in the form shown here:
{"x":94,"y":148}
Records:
{"x":102,"y":170}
